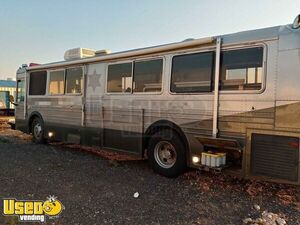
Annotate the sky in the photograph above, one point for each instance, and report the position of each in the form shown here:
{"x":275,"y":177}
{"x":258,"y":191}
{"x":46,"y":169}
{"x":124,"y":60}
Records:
{"x":41,"y":31}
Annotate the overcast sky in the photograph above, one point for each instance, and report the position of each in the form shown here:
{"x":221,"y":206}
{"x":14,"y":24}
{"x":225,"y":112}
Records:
{"x":40,"y":31}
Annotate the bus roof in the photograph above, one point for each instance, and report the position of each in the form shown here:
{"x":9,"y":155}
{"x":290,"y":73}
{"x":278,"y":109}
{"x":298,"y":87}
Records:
{"x":240,"y":37}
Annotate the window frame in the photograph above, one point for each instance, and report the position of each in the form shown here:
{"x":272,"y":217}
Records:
{"x":191,"y":53}
{"x":132,"y":61}
{"x":106,"y":72}
{"x":48,"y":81}
{"x":226,"y":48}
{"x":19,"y":80}
{"x":162,"y":76}
{"x":264,"y":68}
{"x":83,"y":82}
{"x":29,"y":84}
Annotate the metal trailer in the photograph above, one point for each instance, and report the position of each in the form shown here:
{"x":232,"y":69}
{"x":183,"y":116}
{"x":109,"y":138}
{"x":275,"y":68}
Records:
{"x":236,"y":94}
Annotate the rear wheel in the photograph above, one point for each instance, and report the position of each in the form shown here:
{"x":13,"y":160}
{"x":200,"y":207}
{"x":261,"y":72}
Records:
{"x":167,"y":154}
{"x":37,"y":130}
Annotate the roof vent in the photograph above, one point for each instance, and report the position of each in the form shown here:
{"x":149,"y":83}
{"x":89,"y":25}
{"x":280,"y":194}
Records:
{"x":102,"y":52}
{"x":296,"y":23}
{"x":188,"y":39}
{"x":79,"y":53}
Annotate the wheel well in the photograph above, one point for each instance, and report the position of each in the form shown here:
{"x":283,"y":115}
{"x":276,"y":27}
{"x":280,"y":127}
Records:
{"x":160,"y":125}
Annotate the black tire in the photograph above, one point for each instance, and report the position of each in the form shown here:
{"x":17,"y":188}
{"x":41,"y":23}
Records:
{"x":160,"y":166}
{"x":37,"y":137}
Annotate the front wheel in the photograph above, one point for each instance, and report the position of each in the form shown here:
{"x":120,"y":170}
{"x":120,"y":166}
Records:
{"x":167,"y":154}
{"x":37,"y":129}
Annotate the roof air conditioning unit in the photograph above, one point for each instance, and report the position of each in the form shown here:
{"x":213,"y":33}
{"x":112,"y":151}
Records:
{"x":78,"y":53}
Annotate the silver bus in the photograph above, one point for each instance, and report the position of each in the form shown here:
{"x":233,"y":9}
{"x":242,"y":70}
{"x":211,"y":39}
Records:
{"x":186,"y":104}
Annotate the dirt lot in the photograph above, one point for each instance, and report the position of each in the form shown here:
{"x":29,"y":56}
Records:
{"x":99,"y":188}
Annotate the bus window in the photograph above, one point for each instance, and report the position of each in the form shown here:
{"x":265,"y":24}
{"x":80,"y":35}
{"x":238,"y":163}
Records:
{"x":119,"y":77}
{"x":241,"y":69}
{"x":74,"y":80}
{"x":37,"y":83}
{"x":147,"y":76}
{"x":192,"y":73}
{"x":57,"y":82}
{"x":20,"y":91}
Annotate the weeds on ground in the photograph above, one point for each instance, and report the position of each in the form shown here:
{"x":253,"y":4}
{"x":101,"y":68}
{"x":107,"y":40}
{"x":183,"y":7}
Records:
{"x":286,"y":194}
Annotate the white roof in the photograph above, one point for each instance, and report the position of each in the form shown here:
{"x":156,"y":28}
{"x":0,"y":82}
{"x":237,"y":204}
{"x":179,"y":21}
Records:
{"x":240,"y":37}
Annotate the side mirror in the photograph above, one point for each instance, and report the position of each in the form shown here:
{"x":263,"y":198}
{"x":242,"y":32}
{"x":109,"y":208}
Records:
{"x":12,"y":100}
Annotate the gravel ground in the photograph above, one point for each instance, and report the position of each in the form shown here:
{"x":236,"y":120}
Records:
{"x":99,"y":188}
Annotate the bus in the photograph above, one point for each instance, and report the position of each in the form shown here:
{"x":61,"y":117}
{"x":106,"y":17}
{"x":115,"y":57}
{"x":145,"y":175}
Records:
{"x":227,"y":102}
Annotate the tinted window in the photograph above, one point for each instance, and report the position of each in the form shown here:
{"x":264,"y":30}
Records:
{"x":147,"y":76}
{"x":37,"y":83}
{"x":57,"y":82}
{"x":192,"y":73}
{"x":74,"y":80}
{"x":241,"y":69}
{"x":119,"y":77}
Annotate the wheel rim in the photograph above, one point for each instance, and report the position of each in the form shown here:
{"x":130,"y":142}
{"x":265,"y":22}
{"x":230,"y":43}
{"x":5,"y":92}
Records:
{"x":37,"y":130}
{"x":165,"y":154}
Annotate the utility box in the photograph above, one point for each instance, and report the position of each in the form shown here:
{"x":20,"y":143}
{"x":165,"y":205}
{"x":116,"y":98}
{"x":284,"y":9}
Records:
{"x":273,"y":155}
